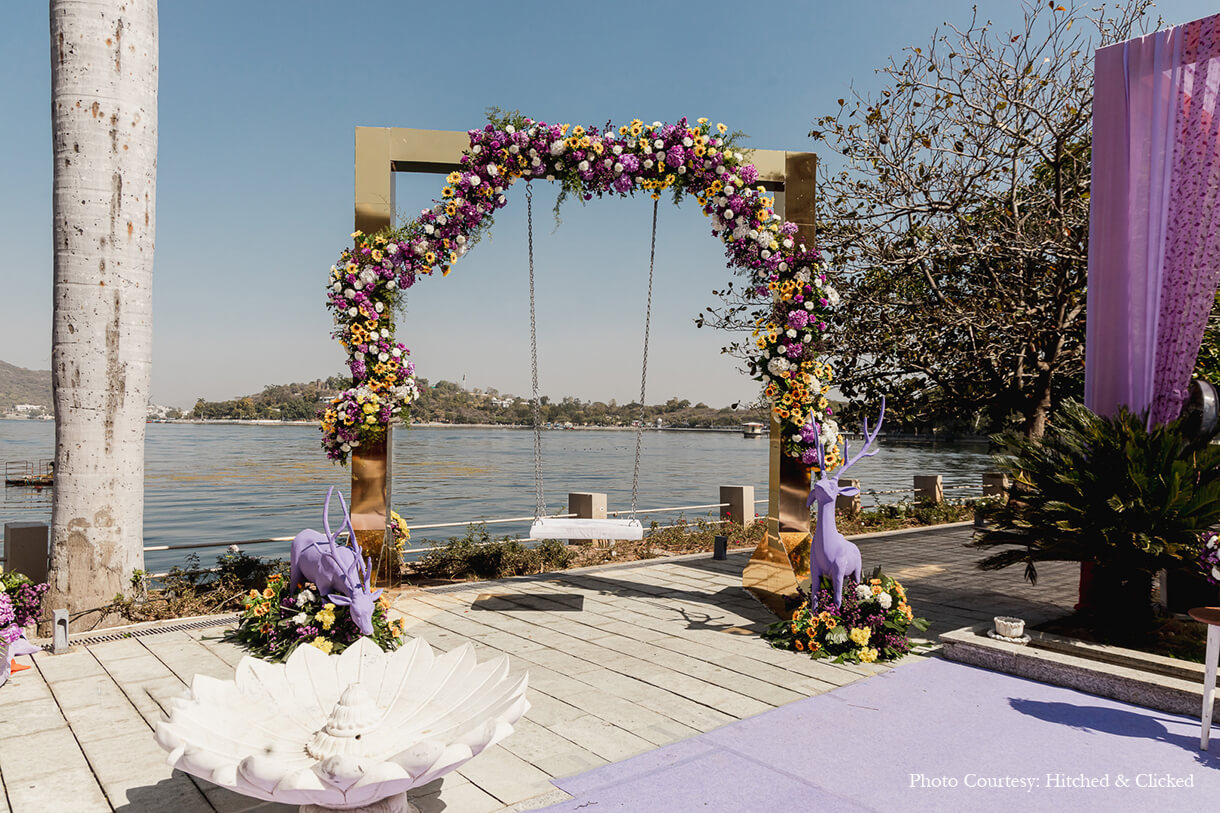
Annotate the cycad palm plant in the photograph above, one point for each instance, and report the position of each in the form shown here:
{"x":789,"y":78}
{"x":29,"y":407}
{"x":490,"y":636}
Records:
{"x":1111,"y":491}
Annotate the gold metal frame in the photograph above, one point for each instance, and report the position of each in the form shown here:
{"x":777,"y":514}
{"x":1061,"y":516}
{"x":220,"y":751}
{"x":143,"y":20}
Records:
{"x":777,"y":564}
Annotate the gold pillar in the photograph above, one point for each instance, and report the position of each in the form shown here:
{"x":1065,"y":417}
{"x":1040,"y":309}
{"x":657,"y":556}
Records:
{"x":371,"y":488}
{"x":781,"y":561}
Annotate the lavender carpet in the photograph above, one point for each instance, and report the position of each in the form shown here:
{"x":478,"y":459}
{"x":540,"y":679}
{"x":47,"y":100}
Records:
{"x":935,"y":736}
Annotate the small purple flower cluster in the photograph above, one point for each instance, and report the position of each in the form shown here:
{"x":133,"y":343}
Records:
{"x":1209,"y":556}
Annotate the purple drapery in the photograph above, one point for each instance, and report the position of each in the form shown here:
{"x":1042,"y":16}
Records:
{"x":1154,"y":228}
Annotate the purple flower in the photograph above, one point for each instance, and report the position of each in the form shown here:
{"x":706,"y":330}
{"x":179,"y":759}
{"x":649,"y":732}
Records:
{"x":798,"y":319}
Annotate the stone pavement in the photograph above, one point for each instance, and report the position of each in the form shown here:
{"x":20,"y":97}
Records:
{"x":622,"y":659}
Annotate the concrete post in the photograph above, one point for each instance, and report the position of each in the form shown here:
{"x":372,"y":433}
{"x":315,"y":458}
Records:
{"x":27,"y":549}
{"x":995,"y":483}
{"x":848,"y":506}
{"x":928,"y":487}
{"x":737,"y":504}
{"x":588,"y":505}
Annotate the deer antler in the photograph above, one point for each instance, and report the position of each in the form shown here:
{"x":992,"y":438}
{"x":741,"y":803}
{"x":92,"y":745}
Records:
{"x":869,"y":437}
{"x":363,"y":568}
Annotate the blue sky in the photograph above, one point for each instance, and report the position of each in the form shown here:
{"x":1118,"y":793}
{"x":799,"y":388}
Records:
{"x":258,"y":104}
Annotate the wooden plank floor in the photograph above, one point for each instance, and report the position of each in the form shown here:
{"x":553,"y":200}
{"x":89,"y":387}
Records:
{"x":622,"y":659}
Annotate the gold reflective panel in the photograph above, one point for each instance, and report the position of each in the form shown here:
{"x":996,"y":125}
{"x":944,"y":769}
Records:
{"x":370,"y":495}
{"x":781,"y":560}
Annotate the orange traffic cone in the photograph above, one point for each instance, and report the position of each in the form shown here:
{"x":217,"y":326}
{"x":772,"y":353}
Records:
{"x":15,"y":667}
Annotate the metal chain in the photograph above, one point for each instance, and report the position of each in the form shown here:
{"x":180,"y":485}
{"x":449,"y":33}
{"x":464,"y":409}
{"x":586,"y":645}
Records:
{"x":639,"y":432}
{"x":539,"y":500}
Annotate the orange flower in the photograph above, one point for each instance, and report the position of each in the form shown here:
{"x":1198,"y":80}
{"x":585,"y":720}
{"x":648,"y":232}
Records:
{"x":260,"y":610}
{"x":800,"y":647}
{"x":268,"y":593}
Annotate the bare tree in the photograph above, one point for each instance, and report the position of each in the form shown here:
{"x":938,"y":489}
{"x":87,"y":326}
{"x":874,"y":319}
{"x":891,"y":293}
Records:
{"x":957,"y":219}
{"x":104,"y":119}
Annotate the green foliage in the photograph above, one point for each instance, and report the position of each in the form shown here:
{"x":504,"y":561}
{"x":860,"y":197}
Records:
{"x":191,"y":589}
{"x":477,"y":556}
{"x":1104,"y":490}
{"x":285,"y":402}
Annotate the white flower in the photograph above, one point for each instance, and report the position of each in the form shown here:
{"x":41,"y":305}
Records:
{"x":442,"y":220}
{"x":429,"y":229}
{"x":475,"y":180}
{"x":618,"y":149}
{"x":808,"y":305}
{"x":832,"y":296}
{"x":686,"y":142}
{"x":863,"y":592}
{"x":232,"y":549}
{"x":347,"y":447}
{"x":359,"y":356}
{"x":478,"y":148}
{"x":383,"y":356}
{"x":379,"y":307}
{"x":374,"y":335}
{"x":802,"y":276}
{"x":392,"y":248}
{"x":391,"y":284}
{"x":808,"y":338}
{"x":557,"y":147}
{"x":885,"y":600}
{"x":719,"y":170}
{"x":778,"y":365}
{"x":648,"y":163}
{"x":306,"y":596}
{"x":492,"y":171}
{"x":396,"y":352}
{"x":618,"y":169}
{"x":550,"y":177}
{"x":535,"y":161}
{"x":510,"y":129}
{"x":766,"y":254}
{"x":461,"y":239}
{"x":583,"y":166}
{"x":656,"y":124}
{"x":300,"y":618}
{"x":658,"y":144}
{"x":349,"y":293}
{"x":1216,"y":573}
{"x":352,"y":311}
{"x":358,"y":285}
{"x":788,"y":242}
{"x":796,"y":438}
{"x":514,"y":149}
{"x":790,"y":333}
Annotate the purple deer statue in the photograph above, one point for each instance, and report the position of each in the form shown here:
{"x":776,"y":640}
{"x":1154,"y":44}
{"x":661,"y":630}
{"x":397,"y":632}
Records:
{"x":831,"y":554}
{"x":337,"y":570}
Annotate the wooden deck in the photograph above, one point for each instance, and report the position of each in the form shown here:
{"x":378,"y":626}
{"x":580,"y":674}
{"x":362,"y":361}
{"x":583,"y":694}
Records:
{"x":622,"y":659}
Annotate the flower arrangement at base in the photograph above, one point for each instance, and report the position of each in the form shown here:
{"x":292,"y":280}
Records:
{"x":20,"y":604}
{"x":871,"y":625}
{"x":274,"y":622}
{"x":785,"y":279}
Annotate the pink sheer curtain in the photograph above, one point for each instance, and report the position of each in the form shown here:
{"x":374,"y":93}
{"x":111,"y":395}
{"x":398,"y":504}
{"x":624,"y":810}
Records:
{"x":1154,"y":231}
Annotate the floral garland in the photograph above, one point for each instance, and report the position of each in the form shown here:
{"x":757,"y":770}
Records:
{"x":274,"y":622}
{"x":870,"y":624}
{"x":699,"y":159}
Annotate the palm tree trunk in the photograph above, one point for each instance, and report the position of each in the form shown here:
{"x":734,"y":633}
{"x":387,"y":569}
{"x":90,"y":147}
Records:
{"x":104,"y":133}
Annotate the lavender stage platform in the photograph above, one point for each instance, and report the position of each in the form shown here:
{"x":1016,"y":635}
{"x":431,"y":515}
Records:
{"x":928,"y":736}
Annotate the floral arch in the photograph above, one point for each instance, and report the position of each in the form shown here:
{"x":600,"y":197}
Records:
{"x":699,"y":159}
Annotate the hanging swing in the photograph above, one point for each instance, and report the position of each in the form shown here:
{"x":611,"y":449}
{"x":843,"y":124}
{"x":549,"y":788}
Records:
{"x":545,"y":527}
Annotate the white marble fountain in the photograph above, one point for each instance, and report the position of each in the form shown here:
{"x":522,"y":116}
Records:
{"x":353,"y":731}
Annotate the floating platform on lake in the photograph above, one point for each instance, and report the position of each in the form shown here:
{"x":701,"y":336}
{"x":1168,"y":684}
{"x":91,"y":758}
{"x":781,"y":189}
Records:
{"x":752,"y":430}
{"x":36,"y":474}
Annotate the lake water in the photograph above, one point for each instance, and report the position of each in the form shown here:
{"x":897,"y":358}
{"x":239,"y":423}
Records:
{"x":225,"y":482}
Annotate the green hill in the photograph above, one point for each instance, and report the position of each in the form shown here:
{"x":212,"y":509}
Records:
{"x":21,"y":386}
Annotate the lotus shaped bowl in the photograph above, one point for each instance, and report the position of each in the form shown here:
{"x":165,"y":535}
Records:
{"x":342,"y":731}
